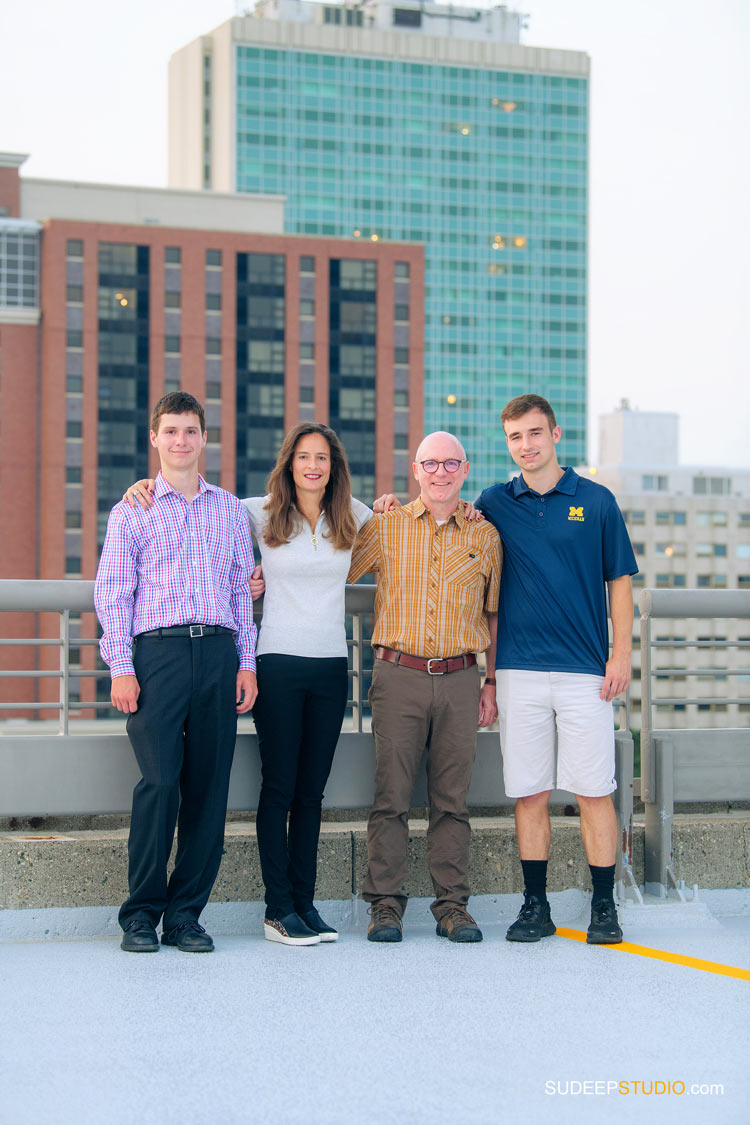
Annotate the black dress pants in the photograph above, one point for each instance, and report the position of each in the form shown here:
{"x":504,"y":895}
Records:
{"x":183,"y":736}
{"x":298,"y":715}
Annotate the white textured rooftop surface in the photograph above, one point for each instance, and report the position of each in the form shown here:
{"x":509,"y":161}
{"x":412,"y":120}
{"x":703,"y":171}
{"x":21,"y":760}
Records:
{"x":357,"y":1033}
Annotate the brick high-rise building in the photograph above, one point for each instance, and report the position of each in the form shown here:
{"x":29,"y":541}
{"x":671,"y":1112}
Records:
{"x":110,"y":296}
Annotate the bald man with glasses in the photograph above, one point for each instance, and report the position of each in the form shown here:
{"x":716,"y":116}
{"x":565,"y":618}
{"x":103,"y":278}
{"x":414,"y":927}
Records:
{"x":435,"y":609}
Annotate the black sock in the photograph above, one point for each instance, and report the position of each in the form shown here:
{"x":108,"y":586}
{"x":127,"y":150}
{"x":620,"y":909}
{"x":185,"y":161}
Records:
{"x":603,"y":880}
{"x":535,"y":877}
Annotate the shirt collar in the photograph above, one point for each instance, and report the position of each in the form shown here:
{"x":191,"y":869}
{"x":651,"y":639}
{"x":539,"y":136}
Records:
{"x":567,"y":484}
{"x":162,"y":487}
{"x":418,"y":509}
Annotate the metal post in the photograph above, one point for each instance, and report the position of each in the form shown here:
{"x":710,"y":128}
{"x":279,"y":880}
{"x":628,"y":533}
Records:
{"x":647,"y":765}
{"x":659,"y":809}
{"x":64,"y":671}
{"x":623,"y":801}
{"x":357,"y":677}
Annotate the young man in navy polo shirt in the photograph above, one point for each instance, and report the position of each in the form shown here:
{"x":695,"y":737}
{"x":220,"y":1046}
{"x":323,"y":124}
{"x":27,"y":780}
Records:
{"x":565,"y":546}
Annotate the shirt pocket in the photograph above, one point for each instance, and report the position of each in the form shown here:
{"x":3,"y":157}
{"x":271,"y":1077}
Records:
{"x":464,"y":568}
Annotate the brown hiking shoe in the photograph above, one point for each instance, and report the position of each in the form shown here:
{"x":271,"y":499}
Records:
{"x":385,"y":923}
{"x":458,"y":925}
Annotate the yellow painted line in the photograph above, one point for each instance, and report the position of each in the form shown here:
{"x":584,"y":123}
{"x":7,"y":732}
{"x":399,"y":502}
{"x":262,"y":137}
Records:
{"x":662,"y":955}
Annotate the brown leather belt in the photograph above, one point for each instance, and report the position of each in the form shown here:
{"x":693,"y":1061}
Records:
{"x":436,"y":666}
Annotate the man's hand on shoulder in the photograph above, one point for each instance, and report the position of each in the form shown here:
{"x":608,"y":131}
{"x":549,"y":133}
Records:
{"x":124,"y":694}
{"x":616,"y":677}
{"x":386,"y":503}
{"x":247,"y":690}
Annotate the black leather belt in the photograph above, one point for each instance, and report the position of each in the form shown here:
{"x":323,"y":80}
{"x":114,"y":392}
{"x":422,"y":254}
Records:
{"x":187,"y":631}
{"x":436,"y":666}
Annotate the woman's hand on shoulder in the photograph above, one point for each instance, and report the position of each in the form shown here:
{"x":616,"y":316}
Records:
{"x":142,"y":492}
{"x":472,"y":514}
{"x":386,"y":503}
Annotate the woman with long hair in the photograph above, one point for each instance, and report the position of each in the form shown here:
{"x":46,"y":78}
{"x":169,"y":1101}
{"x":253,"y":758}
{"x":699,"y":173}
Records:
{"x":306,"y":527}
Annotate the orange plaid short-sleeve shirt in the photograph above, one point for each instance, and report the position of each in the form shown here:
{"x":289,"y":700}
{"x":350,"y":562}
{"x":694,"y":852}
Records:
{"x":436,"y":583}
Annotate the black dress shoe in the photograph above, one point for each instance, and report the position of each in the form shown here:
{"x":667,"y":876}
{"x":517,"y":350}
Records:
{"x":312,"y":919}
{"x":190,"y":937}
{"x":533,"y":921}
{"x":605,"y":927}
{"x":139,"y":937}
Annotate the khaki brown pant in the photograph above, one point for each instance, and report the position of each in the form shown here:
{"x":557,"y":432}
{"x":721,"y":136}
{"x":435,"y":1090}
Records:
{"x":412,"y":712}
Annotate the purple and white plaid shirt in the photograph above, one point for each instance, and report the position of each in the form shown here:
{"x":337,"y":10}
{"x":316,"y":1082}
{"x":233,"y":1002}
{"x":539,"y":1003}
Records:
{"x":178,"y":563}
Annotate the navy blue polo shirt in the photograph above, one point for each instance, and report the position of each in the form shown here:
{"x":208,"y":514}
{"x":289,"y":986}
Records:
{"x":559,"y":550}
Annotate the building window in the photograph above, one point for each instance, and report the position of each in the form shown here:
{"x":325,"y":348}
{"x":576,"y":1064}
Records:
{"x":213,"y":301}
{"x":670,"y":581}
{"x":172,"y":345}
{"x":74,"y":294}
{"x":72,"y":566}
{"x":73,"y":429}
{"x":401,"y":399}
{"x":74,"y":338}
{"x":72,"y":520}
{"x":306,"y":307}
{"x":402,"y":269}
{"x":712,"y":486}
{"x":74,"y":248}
{"x":172,"y":300}
{"x":744,"y":519}
{"x":711,"y":581}
{"x":307,"y":264}
{"x":670,"y":550}
{"x":73,"y":474}
{"x":74,"y":384}
{"x":213,"y":347}
{"x":173,"y":255}
{"x":635,"y":517}
{"x":743,"y":550}
{"x":307,"y":394}
{"x":213,"y":258}
{"x":401,"y":313}
{"x":307,"y":351}
{"x":670,"y":519}
{"x":401,"y":355}
{"x":407,"y":17}
{"x":654,"y":483}
{"x":711,"y":519}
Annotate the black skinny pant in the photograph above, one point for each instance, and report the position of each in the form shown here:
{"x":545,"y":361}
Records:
{"x":298,"y":715}
{"x":183,"y":736}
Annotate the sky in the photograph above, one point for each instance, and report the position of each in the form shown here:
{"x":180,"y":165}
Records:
{"x":83,"y":86}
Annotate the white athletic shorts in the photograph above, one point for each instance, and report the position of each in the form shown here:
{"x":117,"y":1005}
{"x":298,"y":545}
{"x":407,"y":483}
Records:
{"x":533,"y":707}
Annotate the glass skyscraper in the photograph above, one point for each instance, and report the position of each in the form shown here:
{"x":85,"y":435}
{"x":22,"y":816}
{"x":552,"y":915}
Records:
{"x":476,"y":148}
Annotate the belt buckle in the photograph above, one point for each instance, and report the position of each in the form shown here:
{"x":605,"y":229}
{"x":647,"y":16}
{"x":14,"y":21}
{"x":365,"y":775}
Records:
{"x":435,"y":660}
{"x":196,"y":630}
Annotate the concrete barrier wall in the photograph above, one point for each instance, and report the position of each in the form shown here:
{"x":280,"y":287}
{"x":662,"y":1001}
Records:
{"x":75,"y":774}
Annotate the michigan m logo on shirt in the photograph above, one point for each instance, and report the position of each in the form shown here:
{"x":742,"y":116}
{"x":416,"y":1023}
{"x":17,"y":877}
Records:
{"x":576,"y":514}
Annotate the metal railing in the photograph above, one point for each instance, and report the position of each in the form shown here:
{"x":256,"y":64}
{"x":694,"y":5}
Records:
{"x":686,"y":764}
{"x":76,"y":596}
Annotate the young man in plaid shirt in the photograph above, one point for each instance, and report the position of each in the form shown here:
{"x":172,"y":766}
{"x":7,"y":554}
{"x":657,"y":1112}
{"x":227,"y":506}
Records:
{"x":173,"y":599}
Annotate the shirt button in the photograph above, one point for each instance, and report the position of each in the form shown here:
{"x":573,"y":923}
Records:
{"x":541,"y":513}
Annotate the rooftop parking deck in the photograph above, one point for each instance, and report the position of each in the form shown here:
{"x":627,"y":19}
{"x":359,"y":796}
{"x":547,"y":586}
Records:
{"x":355,"y":1033}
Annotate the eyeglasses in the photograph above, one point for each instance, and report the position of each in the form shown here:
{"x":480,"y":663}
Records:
{"x":452,"y":465}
